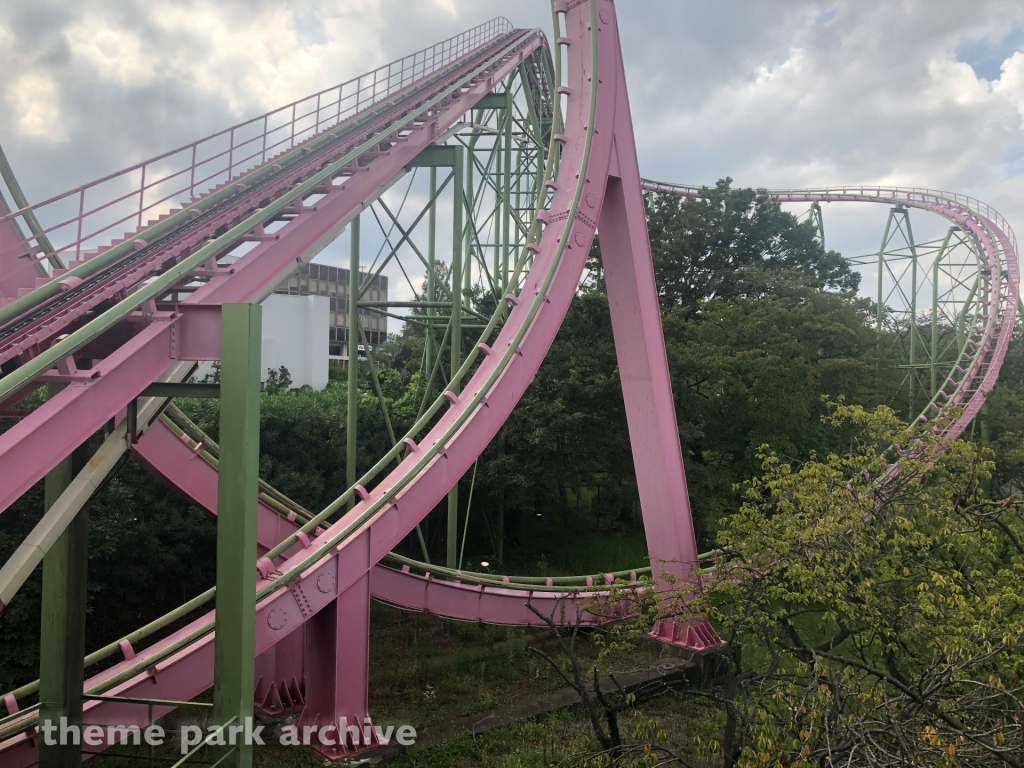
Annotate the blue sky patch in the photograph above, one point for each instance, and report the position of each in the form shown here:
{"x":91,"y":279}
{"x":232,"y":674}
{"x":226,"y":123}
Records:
{"x":986,"y":56}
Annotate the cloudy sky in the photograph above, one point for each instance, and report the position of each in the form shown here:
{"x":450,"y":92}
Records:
{"x":784,"y":93}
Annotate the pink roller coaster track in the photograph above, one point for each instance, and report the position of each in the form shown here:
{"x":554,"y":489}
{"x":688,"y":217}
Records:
{"x":312,"y":619}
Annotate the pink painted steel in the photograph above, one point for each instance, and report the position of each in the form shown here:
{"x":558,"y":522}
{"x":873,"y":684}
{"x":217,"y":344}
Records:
{"x":280,"y":676}
{"x":82,"y":216}
{"x":168,"y":457}
{"x":18,"y":271}
{"x":32,"y":448}
{"x":338,"y":563}
{"x":998,"y":248}
{"x":337,"y":688}
{"x":162,"y":452}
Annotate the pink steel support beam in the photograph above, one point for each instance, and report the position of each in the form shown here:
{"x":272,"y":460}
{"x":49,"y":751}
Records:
{"x":18,"y":272}
{"x":33,"y":447}
{"x":167,"y":456}
{"x":597,"y":169}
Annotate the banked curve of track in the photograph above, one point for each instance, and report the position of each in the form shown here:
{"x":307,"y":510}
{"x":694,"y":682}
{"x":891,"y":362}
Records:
{"x":386,"y":514}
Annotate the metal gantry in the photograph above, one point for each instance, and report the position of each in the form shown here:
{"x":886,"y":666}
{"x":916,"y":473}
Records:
{"x":487,"y":177}
{"x":470,"y":129}
{"x":927,"y":294}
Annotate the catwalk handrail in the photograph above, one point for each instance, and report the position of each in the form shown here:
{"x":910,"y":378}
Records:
{"x":349,"y":98}
{"x":866,"y":190}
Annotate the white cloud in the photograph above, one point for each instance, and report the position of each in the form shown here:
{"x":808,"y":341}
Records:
{"x":36,"y":104}
{"x":1010,"y":84}
{"x":116,"y":53}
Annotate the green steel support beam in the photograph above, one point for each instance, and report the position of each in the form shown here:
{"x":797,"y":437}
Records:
{"x":470,"y":227}
{"x":492,"y":101}
{"x":818,"y":221}
{"x":880,"y":309}
{"x":237,"y":491}
{"x":62,"y":628}
{"x":506,"y":194}
{"x":20,"y":201}
{"x":456,"y":339}
{"x":352,"y":423}
{"x":436,"y":157}
{"x":913,"y":314}
{"x":428,"y":346}
{"x":935,"y":311}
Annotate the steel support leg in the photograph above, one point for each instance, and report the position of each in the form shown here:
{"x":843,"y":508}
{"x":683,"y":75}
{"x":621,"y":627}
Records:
{"x":456,"y":343}
{"x":646,"y":383}
{"x":352,"y":424}
{"x":62,"y":639}
{"x":237,"y":490}
{"x":280,"y":676}
{"x":337,"y":681}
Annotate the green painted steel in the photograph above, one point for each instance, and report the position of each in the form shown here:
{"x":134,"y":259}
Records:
{"x":934,"y":378}
{"x":20,"y":201}
{"x":428,"y":342}
{"x":352,"y":421}
{"x":62,"y":628}
{"x":238,"y":483}
{"x":153,"y":290}
{"x":456,"y":340}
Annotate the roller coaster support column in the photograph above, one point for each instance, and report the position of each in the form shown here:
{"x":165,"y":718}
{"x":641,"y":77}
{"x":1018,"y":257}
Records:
{"x":451,"y":560}
{"x":428,"y":338}
{"x":234,"y":664}
{"x":62,"y":639}
{"x":352,"y":425}
{"x":640,"y":342}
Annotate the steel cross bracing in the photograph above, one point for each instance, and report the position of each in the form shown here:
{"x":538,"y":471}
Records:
{"x":317,"y":572}
{"x":973,"y":280}
{"x":529,"y":324}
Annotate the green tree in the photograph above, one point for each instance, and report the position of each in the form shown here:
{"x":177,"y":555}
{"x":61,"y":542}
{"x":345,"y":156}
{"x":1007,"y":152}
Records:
{"x":721,"y":244}
{"x":874,"y":616}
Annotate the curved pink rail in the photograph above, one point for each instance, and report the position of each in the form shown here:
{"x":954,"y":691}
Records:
{"x":326,"y":584}
{"x":996,"y":242}
{"x":322,"y":586}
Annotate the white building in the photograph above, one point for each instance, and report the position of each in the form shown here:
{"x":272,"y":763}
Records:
{"x":296,"y":335}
